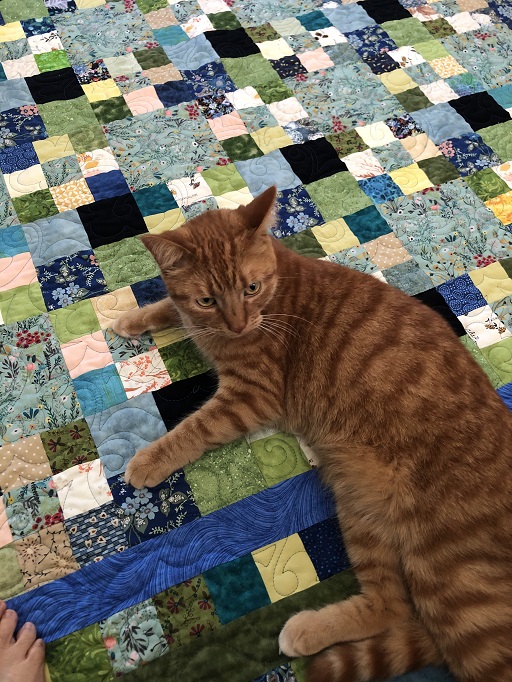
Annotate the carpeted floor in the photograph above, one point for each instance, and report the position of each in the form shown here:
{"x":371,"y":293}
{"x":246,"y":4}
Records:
{"x":386,"y":126}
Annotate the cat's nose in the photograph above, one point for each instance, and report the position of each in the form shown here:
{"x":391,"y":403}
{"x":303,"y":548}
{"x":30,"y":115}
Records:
{"x":236,"y":326}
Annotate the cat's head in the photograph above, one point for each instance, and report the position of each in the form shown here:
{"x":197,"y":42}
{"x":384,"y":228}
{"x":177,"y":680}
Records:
{"x":220,"y":267}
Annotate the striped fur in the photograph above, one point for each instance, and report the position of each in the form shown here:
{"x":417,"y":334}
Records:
{"x":411,"y":436}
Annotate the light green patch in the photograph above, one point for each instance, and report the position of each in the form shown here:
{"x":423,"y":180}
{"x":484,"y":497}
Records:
{"x":67,"y":116}
{"x":338,"y":195}
{"x":223,"y":476}
{"x":499,"y":357}
{"x":182,"y":360}
{"x":406,"y":31}
{"x":74,"y":321}
{"x":17,"y":10}
{"x":222,"y":179}
{"x":79,"y":657}
{"x":126,"y":262}
{"x":21,"y":302}
{"x":279,"y":457}
{"x":11,"y":578}
{"x":39,"y":204}
{"x":51,"y":61}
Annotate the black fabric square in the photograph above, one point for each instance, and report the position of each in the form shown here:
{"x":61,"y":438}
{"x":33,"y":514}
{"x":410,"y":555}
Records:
{"x":480,"y":110}
{"x":384,"y":10}
{"x":381,"y":63}
{"x":52,"y":85}
{"x":435,"y":300}
{"x":235,"y":43}
{"x":313,"y":160}
{"x":324,"y":544}
{"x":287,"y":67}
{"x":181,"y":398}
{"x":110,"y":220}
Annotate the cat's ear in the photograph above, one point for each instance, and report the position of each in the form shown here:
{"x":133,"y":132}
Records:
{"x":168,"y":251}
{"x":259,"y":215}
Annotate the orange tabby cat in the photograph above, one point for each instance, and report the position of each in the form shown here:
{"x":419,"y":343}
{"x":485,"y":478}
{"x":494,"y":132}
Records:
{"x":411,"y":436}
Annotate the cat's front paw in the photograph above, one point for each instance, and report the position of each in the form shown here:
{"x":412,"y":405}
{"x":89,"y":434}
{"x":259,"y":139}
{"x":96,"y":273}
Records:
{"x":297,"y":637}
{"x":148,"y":467}
{"x":130,"y":325}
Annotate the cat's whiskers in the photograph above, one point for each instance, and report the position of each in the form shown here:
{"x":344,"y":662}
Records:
{"x":297,"y":316}
{"x":280,"y":324}
{"x":279,"y":335}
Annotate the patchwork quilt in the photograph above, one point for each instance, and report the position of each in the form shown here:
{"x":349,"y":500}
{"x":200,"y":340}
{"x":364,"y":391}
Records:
{"x":387,"y":127}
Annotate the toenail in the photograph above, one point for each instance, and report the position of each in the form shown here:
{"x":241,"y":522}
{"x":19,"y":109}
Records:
{"x":28,"y":626}
{"x":9,"y":613}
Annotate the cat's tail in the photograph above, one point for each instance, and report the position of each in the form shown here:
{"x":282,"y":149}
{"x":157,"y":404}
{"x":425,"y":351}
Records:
{"x":400,"y":649}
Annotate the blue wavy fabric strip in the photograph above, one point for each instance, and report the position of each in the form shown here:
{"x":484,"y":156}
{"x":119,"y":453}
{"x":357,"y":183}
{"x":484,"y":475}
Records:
{"x":101,"y":589}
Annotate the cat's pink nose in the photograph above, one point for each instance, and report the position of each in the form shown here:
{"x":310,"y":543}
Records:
{"x":236,"y":327}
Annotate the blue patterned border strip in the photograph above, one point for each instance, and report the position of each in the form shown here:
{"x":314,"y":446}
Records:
{"x":101,"y":589}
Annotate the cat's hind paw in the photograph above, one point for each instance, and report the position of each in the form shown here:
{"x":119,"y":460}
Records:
{"x":297,"y":636}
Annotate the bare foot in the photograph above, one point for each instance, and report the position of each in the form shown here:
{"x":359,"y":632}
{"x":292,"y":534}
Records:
{"x":21,"y":659}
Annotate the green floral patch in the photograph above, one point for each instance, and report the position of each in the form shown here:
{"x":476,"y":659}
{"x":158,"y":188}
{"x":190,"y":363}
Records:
{"x":112,"y":109}
{"x":182,"y":360}
{"x":21,"y":302}
{"x":274,"y":91}
{"x":67,"y":116}
{"x":338,"y":195}
{"x":304,"y":243}
{"x":147,"y":6}
{"x":133,"y":637}
{"x":262,"y":33}
{"x":85,"y":656}
{"x":51,"y":61}
{"x":126,"y":262}
{"x":413,"y":99}
{"x":39,"y":204}
{"x":241,"y":148}
{"x":279,"y":457}
{"x":186,"y":611}
{"x":88,"y":139}
{"x":69,"y":445}
{"x":438,"y":169}
{"x":224,"y":475}
{"x":151,"y":59}
{"x":486,"y":184}
{"x":439,"y":28}
{"x":347,"y":142}
{"x":226,"y":21}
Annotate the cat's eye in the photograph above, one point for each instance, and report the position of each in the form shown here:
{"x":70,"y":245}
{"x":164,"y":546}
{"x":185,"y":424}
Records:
{"x":252,"y":289}
{"x":206,"y":302}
